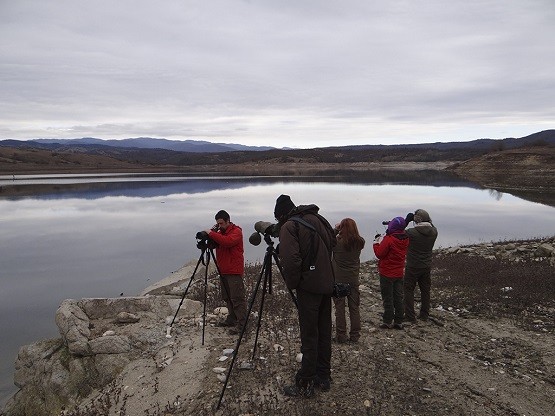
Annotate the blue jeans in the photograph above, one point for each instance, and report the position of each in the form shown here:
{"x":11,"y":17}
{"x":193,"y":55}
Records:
{"x":392,"y":297}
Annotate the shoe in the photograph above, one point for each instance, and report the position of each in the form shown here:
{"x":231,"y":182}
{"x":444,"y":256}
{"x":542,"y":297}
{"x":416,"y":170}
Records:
{"x":353,"y":340}
{"x":297,"y":391}
{"x":386,"y":326}
{"x":423,"y":318}
{"x":398,"y":326}
{"x":234,"y":331}
{"x":224,"y":324}
{"x":322,"y":384}
{"x":340,"y":340}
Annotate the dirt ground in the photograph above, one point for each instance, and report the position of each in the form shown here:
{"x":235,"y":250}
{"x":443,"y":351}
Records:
{"x":475,"y":361}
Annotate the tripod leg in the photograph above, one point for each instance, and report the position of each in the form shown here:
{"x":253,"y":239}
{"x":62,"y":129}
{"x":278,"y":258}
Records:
{"x":205,"y":293}
{"x":267,"y":279}
{"x":236,"y":350}
{"x":184,"y":294}
{"x":276,"y":258}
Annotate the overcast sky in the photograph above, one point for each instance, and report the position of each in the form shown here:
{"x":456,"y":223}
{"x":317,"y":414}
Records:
{"x":297,"y":73}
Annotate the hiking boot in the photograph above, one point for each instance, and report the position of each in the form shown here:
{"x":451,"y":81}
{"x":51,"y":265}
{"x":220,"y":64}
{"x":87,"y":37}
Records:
{"x":340,"y":340}
{"x":298,"y":391}
{"x":224,"y":324}
{"x":398,"y":326}
{"x":386,"y":326}
{"x":322,"y":384}
{"x":234,"y":330}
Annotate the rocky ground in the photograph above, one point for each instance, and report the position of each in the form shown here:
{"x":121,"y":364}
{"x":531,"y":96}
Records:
{"x":489,"y":348}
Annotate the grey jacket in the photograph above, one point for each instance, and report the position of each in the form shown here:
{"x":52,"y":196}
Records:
{"x":422,"y":238}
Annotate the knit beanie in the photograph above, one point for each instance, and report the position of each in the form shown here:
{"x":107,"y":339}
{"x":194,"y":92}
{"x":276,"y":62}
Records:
{"x":396,"y":224}
{"x":284,"y":206}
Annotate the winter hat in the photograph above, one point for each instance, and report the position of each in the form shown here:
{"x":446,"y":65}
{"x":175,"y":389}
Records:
{"x":284,"y":206}
{"x":396,"y":224}
{"x":421,"y":215}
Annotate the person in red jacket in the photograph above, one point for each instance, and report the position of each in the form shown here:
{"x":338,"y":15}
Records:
{"x":231,"y":263}
{"x":391,"y":252}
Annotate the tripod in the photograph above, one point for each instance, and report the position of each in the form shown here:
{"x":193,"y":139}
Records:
{"x":207,"y":252}
{"x":266,"y":273}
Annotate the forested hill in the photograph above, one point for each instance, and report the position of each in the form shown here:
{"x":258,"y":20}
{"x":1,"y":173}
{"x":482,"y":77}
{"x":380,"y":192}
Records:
{"x":86,"y":154}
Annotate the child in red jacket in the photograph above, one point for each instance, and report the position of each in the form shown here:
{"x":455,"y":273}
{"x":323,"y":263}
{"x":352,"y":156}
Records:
{"x":391,"y":252}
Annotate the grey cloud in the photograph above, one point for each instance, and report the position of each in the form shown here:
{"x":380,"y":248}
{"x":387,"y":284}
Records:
{"x":293,"y":71}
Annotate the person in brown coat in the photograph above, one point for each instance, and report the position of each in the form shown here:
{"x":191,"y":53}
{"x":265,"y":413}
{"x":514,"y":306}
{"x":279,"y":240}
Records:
{"x":346,"y":266}
{"x":305,"y":257}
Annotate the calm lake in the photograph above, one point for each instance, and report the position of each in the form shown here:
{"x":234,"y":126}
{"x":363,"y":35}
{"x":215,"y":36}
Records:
{"x":82,"y":236}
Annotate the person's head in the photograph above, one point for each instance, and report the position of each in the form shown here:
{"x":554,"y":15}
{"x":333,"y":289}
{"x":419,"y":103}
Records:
{"x":283,"y":207}
{"x":348,"y":233}
{"x":395,"y":225}
{"x":421,"y":215}
{"x":222,"y":219}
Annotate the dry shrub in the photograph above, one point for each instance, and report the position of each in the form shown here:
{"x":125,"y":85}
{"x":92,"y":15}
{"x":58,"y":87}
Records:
{"x":523,"y":291}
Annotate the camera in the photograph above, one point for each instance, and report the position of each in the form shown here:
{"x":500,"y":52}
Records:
{"x":385,"y":222}
{"x":340,"y":290}
{"x":204,"y":242}
{"x":265,"y":228}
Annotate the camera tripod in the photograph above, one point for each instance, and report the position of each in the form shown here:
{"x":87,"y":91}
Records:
{"x":206,"y":254}
{"x":266,"y":274}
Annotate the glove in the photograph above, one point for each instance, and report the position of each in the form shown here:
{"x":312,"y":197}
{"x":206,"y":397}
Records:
{"x":409,"y":218}
{"x":377,"y":238}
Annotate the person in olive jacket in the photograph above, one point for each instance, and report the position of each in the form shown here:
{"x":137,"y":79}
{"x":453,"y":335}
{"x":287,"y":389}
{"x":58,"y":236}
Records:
{"x":346,"y":265}
{"x":305,"y":258}
{"x":422,"y":238}
{"x":231,"y":264}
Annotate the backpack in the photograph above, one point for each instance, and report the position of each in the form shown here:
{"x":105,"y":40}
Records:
{"x":339,"y":289}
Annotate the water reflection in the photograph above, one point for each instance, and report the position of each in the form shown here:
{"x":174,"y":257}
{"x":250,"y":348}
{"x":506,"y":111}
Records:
{"x":140,"y":185}
{"x":95,"y":238}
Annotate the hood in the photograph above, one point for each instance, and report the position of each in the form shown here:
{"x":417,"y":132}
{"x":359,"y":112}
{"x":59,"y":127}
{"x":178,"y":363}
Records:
{"x":305,"y":209}
{"x":424,"y":228}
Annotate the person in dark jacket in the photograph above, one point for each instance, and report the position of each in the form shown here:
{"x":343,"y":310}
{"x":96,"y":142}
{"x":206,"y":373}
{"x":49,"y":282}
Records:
{"x":231,"y":263}
{"x":391,"y":253}
{"x":346,"y":265}
{"x":422,"y":238}
{"x":305,"y":258}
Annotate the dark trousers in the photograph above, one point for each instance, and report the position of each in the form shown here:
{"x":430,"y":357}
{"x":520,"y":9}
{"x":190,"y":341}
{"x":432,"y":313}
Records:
{"x":233,"y":293}
{"x":421,"y":277}
{"x":392,"y":297}
{"x":315,"y":327}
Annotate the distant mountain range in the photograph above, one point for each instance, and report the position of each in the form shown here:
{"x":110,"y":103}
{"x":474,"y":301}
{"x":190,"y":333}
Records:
{"x":194,"y":146}
{"x":198,"y":146}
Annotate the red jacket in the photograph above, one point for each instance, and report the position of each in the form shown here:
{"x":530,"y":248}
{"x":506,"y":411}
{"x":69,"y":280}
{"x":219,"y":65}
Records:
{"x":229,"y":252}
{"x":391,"y":254}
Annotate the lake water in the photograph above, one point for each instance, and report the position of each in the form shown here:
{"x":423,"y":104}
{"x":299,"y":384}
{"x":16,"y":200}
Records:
{"x":82,"y":236}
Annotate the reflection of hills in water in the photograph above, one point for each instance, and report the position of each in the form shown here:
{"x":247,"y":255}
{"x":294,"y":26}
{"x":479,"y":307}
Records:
{"x":167,"y":185}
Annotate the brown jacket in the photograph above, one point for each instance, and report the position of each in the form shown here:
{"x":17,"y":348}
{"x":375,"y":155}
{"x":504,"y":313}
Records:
{"x":295,"y":252}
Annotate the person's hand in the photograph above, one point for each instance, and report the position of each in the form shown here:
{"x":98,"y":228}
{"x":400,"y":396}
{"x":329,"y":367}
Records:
{"x":377,"y":238}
